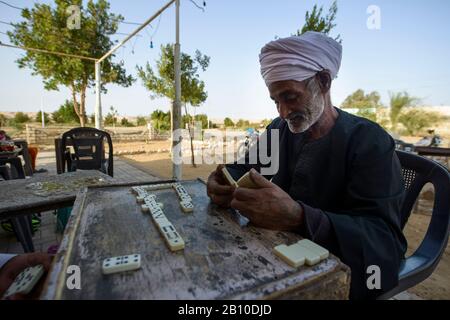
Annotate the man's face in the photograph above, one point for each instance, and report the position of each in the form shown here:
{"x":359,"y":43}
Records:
{"x":299,"y":103}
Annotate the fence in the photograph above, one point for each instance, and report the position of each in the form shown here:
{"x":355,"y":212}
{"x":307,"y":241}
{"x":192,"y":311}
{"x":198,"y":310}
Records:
{"x":46,"y":136}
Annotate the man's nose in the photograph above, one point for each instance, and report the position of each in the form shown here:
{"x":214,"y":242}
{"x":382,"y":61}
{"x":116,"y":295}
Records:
{"x":284,"y":111}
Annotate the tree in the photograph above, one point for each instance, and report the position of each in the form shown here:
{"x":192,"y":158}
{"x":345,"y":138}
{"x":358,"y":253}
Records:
{"x":315,"y":21}
{"x":160,"y":120}
{"x":141,"y":121}
{"x":162,"y":85}
{"x":21,"y":117}
{"x":242,"y":123}
{"x":416,"y":120}
{"x":66,"y":114}
{"x":366,"y":103}
{"x":124,"y":122}
{"x":203,"y":118}
{"x":3,"y":120}
{"x":398,"y":102}
{"x":111,"y":117}
{"x":45,"y":27}
{"x":39,"y":117}
{"x":228,"y":123}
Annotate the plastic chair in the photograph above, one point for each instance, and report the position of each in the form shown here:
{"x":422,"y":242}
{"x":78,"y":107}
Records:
{"x":89,"y":151}
{"x":22,"y":226}
{"x":417,"y":171}
{"x":16,"y":170}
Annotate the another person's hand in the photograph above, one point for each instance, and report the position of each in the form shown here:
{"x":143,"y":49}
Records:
{"x":16,"y":265}
{"x":220,"y":192}
{"x":269,"y":206}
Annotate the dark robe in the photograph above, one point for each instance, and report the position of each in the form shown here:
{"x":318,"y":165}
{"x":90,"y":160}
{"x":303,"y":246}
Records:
{"x":350,"y":186}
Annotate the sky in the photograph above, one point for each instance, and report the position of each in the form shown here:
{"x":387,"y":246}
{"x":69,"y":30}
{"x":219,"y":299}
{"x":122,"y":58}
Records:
{"x":409,"y":52}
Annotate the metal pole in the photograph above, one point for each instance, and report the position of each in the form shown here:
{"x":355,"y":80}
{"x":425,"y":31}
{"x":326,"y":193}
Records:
{"x":98,"y":99}
{"x":42,"y":112}
{"x":176,"y":107}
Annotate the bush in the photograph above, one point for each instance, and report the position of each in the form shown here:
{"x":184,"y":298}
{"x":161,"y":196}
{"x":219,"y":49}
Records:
{"x":416,"y":120}
{"x":124,"y":122}
{"x":228,"y":123}
{"x":110,"y":120}
{"x":39,"y":117}
{"x":161,"y":120}
{"x":21,"y":117}
{"x":3,"y":120}
{"x":66,"y":114}
{"x":141,"y":121}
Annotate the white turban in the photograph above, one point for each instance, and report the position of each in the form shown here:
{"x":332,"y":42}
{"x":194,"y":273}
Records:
{"x":300,"y":57}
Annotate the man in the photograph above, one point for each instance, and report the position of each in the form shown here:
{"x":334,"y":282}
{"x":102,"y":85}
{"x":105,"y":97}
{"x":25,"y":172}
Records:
{"x":339,"y":180}
{"x":12,"y":265}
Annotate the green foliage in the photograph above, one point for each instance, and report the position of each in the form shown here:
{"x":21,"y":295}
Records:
{"x":160,"y":120}
{"x":398,"y":102}
{"x":45,"y":27}
{"x":162,"y":85}
{"x":21,"y":117}
{"x":39,"y":117}
{"x":141,"y":121}
{"x":243,"y":123}
{"x":370,"y":114}
{"x":228,"y":123}
{"x":66,"y":114}
{"x":368,"y":104}
{"x":416,"y":120}
{"x":315,"y":21}
{"x":265,"y":123}
{"x":3,"y":120}
{"x":204,"y":120}
{"x":124,"y":122}
{"x":111,"y":117}
{"x":360,"y":100}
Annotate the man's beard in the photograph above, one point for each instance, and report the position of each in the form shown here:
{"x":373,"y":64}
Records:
{"x":302,"y":121}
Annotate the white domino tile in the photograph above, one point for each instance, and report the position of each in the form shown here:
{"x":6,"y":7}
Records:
{"x":25,"y":281}
{"x":121,"y":264}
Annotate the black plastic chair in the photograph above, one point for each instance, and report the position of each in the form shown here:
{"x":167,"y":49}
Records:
{"x":417,"y":171}
{"x":89,"y":151}
{"x":5,"y":173}
{"x":16,"y":170}
{"x":22,"y":225}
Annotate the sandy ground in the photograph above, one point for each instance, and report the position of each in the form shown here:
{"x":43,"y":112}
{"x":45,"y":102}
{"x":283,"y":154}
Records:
{"x":437,"y":286}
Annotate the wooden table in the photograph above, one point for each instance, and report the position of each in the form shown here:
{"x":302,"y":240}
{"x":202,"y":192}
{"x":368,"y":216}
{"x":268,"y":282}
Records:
{"x":43,"y":193}
{"x":221,"y":260}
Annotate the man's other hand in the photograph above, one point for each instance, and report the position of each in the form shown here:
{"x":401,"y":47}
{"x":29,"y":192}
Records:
{"x":269,"y":206}
{"x":15,"y":266}
{"x":220,"y":192}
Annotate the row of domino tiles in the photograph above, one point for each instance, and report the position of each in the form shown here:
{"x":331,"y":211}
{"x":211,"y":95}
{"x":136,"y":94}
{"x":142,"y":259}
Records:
{"x":173,"y":239}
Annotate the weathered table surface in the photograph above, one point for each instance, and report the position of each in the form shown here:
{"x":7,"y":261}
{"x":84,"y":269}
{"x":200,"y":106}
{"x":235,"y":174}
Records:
{"x":45,"y":192}
{"x":221,"y":260}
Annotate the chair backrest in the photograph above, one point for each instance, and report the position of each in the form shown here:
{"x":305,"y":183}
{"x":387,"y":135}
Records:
{"x":15,"y":171}
{"x":5,"y":173}
{"x":89,"y":151}
{"x":417,"y":171}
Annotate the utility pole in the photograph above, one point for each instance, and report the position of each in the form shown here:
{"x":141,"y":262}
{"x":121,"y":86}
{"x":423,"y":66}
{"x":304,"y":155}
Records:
{"x":98,"y":99}
{"x":42,"y":112}
{"x":176,"y":107}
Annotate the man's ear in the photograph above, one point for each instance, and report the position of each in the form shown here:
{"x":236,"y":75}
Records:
{"x":324,"y":78}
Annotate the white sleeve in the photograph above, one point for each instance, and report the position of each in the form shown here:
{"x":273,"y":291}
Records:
{"x":4,"y":258}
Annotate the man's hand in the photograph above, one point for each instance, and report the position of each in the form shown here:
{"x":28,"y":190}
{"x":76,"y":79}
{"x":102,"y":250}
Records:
{"x":269,"y":206}
{"x":16,"y":265}
{"x":220,"y":192}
